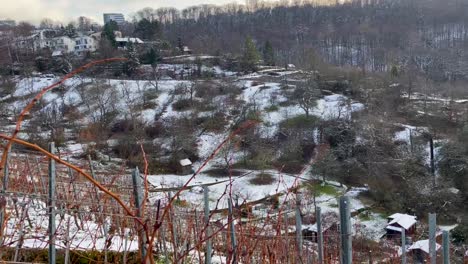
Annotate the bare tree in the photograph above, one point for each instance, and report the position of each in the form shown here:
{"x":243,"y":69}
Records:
{"x":47,"y":23}
{"x":305,"y":95}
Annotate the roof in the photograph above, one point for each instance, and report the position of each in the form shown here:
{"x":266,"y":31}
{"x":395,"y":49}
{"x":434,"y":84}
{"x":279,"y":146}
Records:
{"x":185,"y":162}
{"x":423,"y":245}
{"x":394,"y":228}
{"x":57,"y":53}
{"x":328,"y":220}
{"x":403,"y":220}
{"x":133,"y":40}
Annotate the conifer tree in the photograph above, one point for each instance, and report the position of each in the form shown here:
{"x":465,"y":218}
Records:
{"x":250,"y":57}
{"x":268,"y":54}
{"x":108,"y":32}
{"x":132,"y":64}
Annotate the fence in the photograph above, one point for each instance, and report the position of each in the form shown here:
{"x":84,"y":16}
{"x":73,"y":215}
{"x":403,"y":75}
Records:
{"x":47,"y":205}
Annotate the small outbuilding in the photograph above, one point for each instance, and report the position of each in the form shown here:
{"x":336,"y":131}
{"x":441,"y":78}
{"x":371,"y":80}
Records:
{"x":399,"y":222}
{"x":330,"y":225}
{"x":57,"y":53}
{"x":186,"y":50}
{"x":122,"y":43}
{"x":420,"y":250}
{"x":185,"y":167}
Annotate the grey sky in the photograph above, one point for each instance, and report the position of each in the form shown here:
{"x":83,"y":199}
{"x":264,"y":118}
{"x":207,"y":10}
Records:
{"x":66,"y":10}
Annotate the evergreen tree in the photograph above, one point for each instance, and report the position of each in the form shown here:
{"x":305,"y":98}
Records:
{"x":152,"y":57}
{"x":108,"y":32}
{"x":394,"y":72}
{"x":217,"y":59}
{"x":180,"y":44}
{"x":132,"y":64}
{"x":70,"y":30}
{"x":147,"y":30}
{"x":250,"y":57}
{"x":268,"y":54}
{"x":199,"y":64}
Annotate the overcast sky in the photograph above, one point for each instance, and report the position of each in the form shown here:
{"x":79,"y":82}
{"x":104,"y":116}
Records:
{"x":66,"y":10}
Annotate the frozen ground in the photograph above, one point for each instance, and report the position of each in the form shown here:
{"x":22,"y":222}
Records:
{"x":261,"y":96}
{"x":90,"y":237}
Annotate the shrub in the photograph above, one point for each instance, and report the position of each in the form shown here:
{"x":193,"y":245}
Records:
{"x":460,"y":234}
{"x":293,"y":167}
{"x":222,"y":172}
{"x":301,"y":121}
{"x":229,"y":89}
{"x":155,"y":130}
{"x":123,"y":126}
{"x":254,"y":116}
{"x":151,"y":94}
{"x":204,"y":106}
{"x":180,"y":88}
{"x":182,"y":105}
{"x":272,"y":108}
{"x":215,"y":123}
{"x":262,"y":179}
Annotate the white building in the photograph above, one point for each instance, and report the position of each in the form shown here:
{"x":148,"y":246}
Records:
{"x":85,"y":44}
{"x":35,"y":42}
{"x":63,"y":43}
{"x":123,"y":42}
{"x":117,"y":17}
{"x":49,"y":40}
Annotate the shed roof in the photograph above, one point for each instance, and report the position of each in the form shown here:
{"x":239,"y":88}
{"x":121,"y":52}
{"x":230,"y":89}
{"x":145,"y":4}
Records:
{"x":133,"y":40}
{"x":57,"y":53}
{"x":403,"y":220}
{"x":185,"y":162}
{"x":394,"y":228}
{"x":423,"y":245}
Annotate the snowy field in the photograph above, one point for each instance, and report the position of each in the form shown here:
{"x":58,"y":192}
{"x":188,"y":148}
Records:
{"x":129,"y":93}
{"x":33,"y":220}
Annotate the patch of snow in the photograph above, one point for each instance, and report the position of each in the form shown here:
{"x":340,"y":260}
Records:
{"x":423,"y":245}
{"x":89,"y":237}
{"x":447,"y":228}
{"x":403,"y":220}
{"x":185,"y":162}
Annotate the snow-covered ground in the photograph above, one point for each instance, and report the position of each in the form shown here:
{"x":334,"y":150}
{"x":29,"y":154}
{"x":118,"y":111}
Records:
{"x":408,"y":132}
{"x":269,"y":94}
{"x":220,"y":188}
{"x":89,"y":237}
{"x":129,"y":93}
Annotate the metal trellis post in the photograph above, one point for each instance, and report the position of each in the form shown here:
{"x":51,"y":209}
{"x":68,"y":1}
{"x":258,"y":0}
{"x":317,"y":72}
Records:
{"x":432,"y":238}
{"x":345,"y":231}
{"x":51,"y":206}
{"x":137,"y":191}
{"x":446,"y":247}
{"x":207,"y":223}
{"x":318,"y":216}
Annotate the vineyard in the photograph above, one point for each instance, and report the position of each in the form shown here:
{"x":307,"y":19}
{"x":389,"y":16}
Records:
{"x":60,"y":208}
{"x":101,"y":215}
